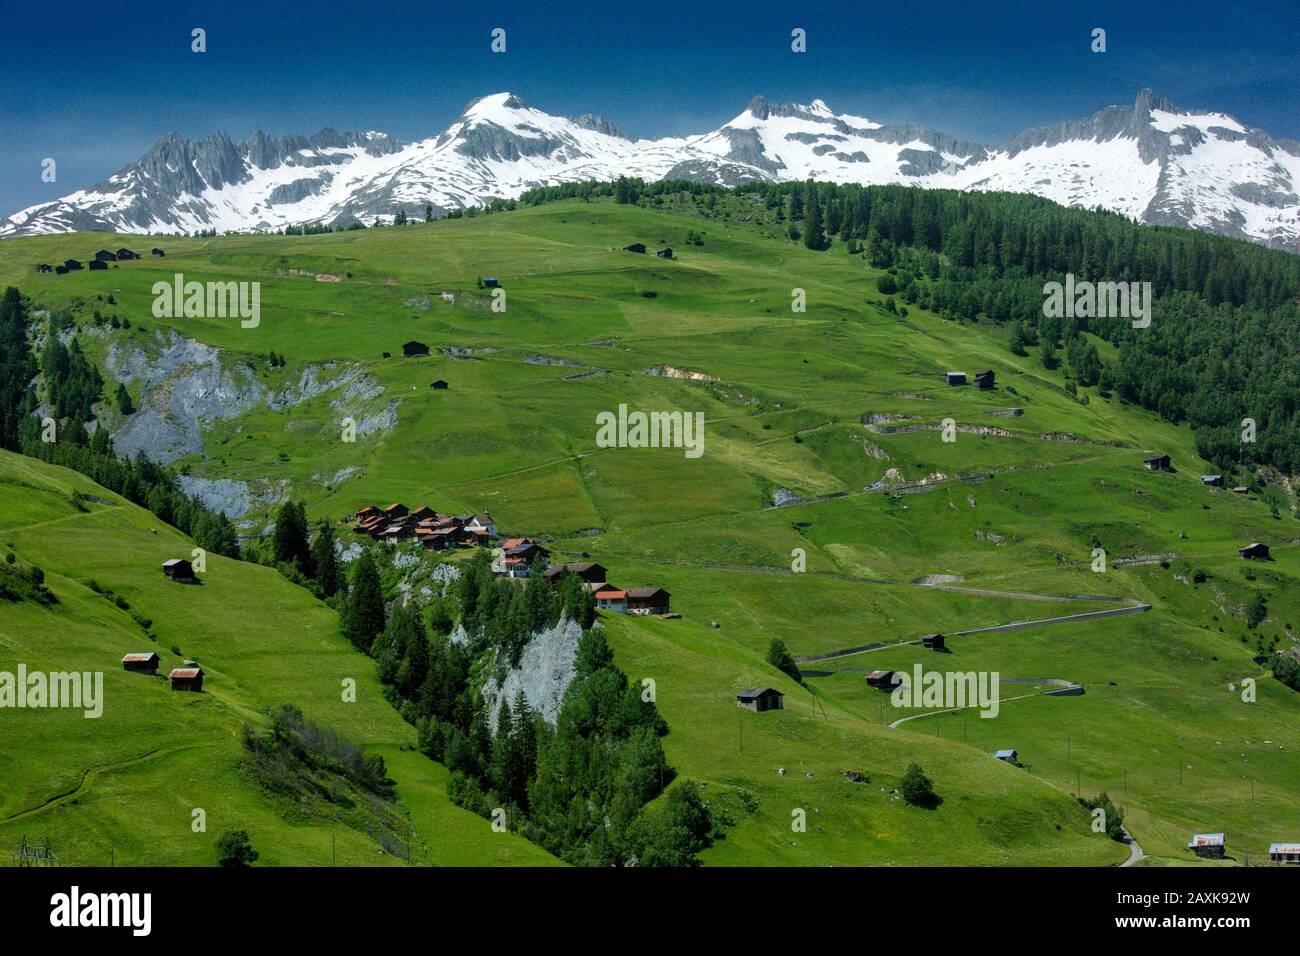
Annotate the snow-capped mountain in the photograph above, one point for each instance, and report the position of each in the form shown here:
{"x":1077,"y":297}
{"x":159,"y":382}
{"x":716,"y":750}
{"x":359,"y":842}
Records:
{"x":1151,"y":161}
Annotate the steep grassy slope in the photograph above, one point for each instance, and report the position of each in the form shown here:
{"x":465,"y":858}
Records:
{"x":808,"y":402}
{"x":124,"y":786}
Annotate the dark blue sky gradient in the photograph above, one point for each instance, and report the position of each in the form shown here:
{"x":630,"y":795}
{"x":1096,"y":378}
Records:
{"x":94,"y":85}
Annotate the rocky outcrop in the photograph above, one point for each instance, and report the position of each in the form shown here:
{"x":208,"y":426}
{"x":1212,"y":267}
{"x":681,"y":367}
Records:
{"x":545,"y":671}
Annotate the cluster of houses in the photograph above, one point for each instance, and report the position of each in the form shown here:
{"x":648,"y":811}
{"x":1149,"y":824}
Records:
{"x":189,"y":676}
{"x":639,"y":248}
{"x":102,"y":258}
{"x":984,"y":379}
{"x":434,"y":531}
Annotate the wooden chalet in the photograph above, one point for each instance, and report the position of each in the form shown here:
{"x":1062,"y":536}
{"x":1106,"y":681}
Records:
{"x":611,"y":598}
{"x":985,"y":379}
{"x":413,"y":348}
{"x":105,"y":255}
{"x":932,"y":642}
{"x":1008,"y":755}
{"x":637,"y":247}
{"x":98,"y":265}
{"x":1212,"y":481}
{"x":1255,"y":552}
{"x":665,"y":253}
{"x":1158,"y":463}
{"x":587,"y":571}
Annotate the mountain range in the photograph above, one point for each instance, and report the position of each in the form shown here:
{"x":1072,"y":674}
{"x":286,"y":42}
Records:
{"x":1151,"y":161}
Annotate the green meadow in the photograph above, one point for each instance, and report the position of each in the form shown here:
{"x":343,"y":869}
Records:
{"x":839,"y":408}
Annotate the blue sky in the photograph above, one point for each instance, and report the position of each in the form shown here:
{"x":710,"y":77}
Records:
{"x":95,"y":86}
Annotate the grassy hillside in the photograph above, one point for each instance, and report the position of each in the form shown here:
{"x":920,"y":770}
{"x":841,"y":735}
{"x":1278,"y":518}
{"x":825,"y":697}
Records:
{"x":808,"y":402}
{"x":123,"y":787}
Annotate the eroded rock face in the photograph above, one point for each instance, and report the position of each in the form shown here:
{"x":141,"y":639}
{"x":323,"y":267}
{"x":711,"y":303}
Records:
{"x":545,"y":671}
{"x":186,"y":387}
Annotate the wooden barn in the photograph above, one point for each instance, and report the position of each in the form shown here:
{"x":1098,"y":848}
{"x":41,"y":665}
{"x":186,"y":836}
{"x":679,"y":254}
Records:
{"x":1255,"y":552}
{"x":106,"y":255}
{"x":665,"y":253}
{"x":759,"y":699}
{"x":1158,"y":463}
{"x":178,"y":569}
{"x":98,"y":265}
{"x":126,"y":254}
{"x":1008,"y":755}
{"x":985,"y":379}
{"x":490,"y":282}
{"x":155,"y":251}
{"x":413,"y":348}
{"x":144,"y":663}
{"x":881,"y":680}
{"x":439,"y":384}
{"x":187,"y":678}
{"x":396,"y":510}
{"x":72,"y":265}
{"x":44,"y":267}
{"x":1284,"y":852}
{"x":932,"y":642}
{"x":638,"y":247}
{"x":1212,"y":481}
{"x":956,"y":378}
{"x":1208,"y":845}
{"x":647,"y":601}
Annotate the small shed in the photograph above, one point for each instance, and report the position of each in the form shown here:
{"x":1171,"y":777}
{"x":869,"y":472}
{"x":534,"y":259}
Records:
{"x":985,"y":379}
{"x":144,"y":663}
{"x":759,"y":699}
{"x":98,"y":265}
{"x":105,"y":255}
{"x":1241,"y":490}
{"x":956,"y":378}
{"x":1008,"y":755}
{"x":1212,"y":481}
{"x":187,"y":678}
{"x":1207,"y":845}
{"x":1158,"y":463}
{"x":439,"y":384}
{"x":44,"y":267}
{"x":128,"y":254}
{"x":881,"y":680}
{"x":414,"y":348}
{"x":155,"y":251}
{"x":1284,"y":852}
{"x":61,"y":270}
{"x":490,"y":282}
{"x":665,"y":253}
{"x":638,"y":247}
{"x":71,"y":265}
{"x":178,"y":569}
{"x":932,"y":642}
{"x":1254,"y":552}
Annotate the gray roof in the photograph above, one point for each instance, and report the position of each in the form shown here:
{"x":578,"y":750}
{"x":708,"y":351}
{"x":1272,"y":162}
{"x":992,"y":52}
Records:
{"x":753,"y":692}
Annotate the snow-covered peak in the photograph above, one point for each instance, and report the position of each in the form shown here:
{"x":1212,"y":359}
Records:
{"x":1151,"y":160}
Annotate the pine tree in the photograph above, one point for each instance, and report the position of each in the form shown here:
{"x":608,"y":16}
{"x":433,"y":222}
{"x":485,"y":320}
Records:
{"x":363,"y":615}
{"x":123,"y":399}
{"x":325,"y":561}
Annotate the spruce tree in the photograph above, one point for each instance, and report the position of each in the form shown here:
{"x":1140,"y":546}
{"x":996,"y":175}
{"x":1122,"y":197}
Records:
{"x":363,"y":615}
